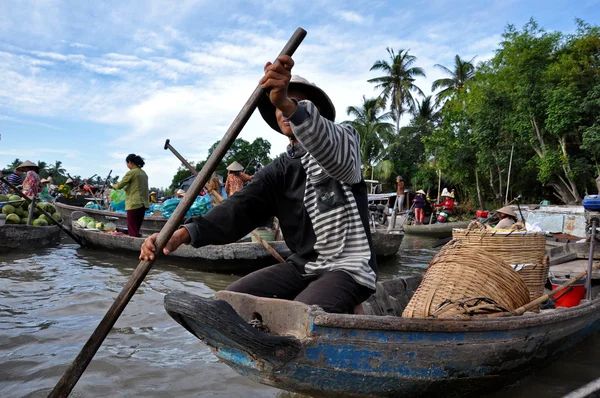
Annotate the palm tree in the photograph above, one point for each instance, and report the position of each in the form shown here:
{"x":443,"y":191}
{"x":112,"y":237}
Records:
{"x":42,"y":165}
{"x":426,"y":110}
{"x":371,"y":123}
{"x":14,"y":164}
{"x":56,"y":170}
{"x":397,"y":84}
{"x":452,"y":86}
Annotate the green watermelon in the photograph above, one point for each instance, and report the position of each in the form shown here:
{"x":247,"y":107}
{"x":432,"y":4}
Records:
{"x":8,"y":209}
{"x":40,"y":222}
{"x":45,"y":218}
{"x":50,"y":208}
{"x":57,"y":217}
{"x":14,"y":197}
{"x":3,"y":198}
{"x":13,"y":219}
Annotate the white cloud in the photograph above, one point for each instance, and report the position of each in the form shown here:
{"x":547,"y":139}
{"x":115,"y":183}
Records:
{"x":350,"y":16}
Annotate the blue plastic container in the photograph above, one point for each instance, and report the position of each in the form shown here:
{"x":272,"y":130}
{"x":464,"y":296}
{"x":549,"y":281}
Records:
{"x":591,"y":202}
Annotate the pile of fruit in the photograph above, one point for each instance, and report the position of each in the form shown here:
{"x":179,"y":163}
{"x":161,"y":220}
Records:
{"x":17,"y":213}
{"x":90,"y":223}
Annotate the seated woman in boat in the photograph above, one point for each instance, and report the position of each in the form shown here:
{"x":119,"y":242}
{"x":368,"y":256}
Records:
{"x":32,"y":184}
{"x":135,"y":183}
{"x":448,"y":202}
{"x":317,"y":192}
{"x":507,"y":218}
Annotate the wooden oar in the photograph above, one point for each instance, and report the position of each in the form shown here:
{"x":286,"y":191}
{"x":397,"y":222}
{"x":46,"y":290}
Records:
{"x":21,"y":194}
{"x":12,"y":201}
{"x":219,"y":199}
{"x":545,"y":297}
{"x":76,"y":369}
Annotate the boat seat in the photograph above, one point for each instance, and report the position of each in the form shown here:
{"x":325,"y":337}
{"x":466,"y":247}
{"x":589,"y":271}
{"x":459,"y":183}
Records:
{"x":391,"y":296}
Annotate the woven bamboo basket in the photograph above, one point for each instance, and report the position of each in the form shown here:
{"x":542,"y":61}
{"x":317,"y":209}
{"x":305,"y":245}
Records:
{"x":513,"y":247}
{"x":460,"y":276}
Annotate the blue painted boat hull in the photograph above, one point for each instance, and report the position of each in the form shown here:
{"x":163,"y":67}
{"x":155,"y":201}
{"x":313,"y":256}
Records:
{"x":361,"y":356}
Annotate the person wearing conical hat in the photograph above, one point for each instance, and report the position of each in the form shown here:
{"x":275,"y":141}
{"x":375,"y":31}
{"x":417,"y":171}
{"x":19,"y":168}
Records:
{"x":32,"y":185}
{"x":236,"y":178}
{"x":419,"y":205}
{"x":507,"y":218}
{"x":315,"y":189}
{"x":448,"y":202}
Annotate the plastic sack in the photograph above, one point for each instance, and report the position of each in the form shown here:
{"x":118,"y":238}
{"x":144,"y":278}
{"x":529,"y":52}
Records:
{"x":117,"y":196}
{"x":92,"y":205}
{"x":200,"y":207}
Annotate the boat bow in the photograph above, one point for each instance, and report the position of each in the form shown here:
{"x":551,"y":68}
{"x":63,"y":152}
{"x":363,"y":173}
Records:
{"x":217,"y":324}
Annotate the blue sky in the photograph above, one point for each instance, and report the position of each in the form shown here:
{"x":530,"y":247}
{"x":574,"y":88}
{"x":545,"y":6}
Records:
{"x":89,"y":82}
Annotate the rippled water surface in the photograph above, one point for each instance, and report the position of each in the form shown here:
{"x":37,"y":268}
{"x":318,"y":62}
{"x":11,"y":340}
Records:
{"x":52,"y":299}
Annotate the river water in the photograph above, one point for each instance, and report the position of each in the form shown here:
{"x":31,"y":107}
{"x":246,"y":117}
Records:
{"x":52,"y":299}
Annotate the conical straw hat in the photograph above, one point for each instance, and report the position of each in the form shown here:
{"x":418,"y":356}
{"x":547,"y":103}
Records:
{"x":235,"y":166}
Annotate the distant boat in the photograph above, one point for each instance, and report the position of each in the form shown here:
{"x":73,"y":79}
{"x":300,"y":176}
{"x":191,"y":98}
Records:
{"x":14,"y":236}
{"x":443,"y":230}
{"x":313,"y":352}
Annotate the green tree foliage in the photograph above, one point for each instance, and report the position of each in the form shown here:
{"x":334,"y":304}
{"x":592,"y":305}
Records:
{"x":375,"y":132}
{"x":454,"y":85}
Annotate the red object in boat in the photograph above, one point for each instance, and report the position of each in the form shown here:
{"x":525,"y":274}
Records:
{"x":571,"y":296}
{"x":481,"y":214}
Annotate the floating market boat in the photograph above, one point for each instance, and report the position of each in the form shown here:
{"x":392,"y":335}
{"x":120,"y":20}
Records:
{"x":150,"y":225}
{"x":312,"y":352}
{"x":237,"y":256}
{"x":443,"y":230}
{"x":78,"y":201}
{"x":14,"y":236}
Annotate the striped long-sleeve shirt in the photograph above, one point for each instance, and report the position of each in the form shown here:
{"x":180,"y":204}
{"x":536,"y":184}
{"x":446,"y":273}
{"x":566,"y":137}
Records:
{"x":316,"y":191}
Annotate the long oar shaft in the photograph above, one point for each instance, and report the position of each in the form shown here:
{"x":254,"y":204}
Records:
{"x":78,"y":366}
{"x":219,"y":199}
{"x":76,"y":239}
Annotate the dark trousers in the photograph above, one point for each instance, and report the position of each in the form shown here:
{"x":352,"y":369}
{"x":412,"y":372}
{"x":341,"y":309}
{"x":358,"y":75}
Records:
{"x":334,"y":291}
{"x":135,"y":218}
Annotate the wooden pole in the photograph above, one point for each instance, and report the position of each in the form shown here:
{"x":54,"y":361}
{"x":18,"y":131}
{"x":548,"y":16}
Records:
{"x":21,"y":194}
{"x":104,"y":185}
{"x":545,"y":297}
{"x":78,"y":366}
{"x":508,"y":177}
{"x":219,"y":199}
{"x":31,"y":210}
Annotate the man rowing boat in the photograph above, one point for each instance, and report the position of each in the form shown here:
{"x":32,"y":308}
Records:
{"x":317,"y":192}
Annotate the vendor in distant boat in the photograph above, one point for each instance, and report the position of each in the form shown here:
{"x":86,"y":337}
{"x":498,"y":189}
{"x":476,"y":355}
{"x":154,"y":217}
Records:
{"x":135,"y":183}
{"x":448,"y":203}
{"x":32,"y":185}
{"x":152,"y":197}
{"x":507,"y":218}
{"x":419,"y":205}
{"x":15,"y":178}
{"x":236,"y":178}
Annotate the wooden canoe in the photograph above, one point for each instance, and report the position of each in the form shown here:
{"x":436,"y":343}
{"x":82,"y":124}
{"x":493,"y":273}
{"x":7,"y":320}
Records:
{"x":435,"y":230}
{"x":232,"y":257}
{"x":312,"y":352}
{"x":149,"y":226}
{"x":27,"y":236}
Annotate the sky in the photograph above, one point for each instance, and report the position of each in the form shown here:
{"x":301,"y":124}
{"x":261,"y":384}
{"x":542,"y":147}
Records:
{"x":88,"y":82}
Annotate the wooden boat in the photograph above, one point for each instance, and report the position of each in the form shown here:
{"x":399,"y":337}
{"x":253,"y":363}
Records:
{"x":234,"y":257}
{"x":312,"y":352}
{"x":27,"y":236}
{"x":434,"y":230}
{"x":78,"y":201}
{"x":149,"y":226}
{"x":239,"y":255}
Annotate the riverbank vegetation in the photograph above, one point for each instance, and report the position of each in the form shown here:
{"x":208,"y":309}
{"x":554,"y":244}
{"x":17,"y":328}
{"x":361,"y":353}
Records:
{"x":528,"y":117}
